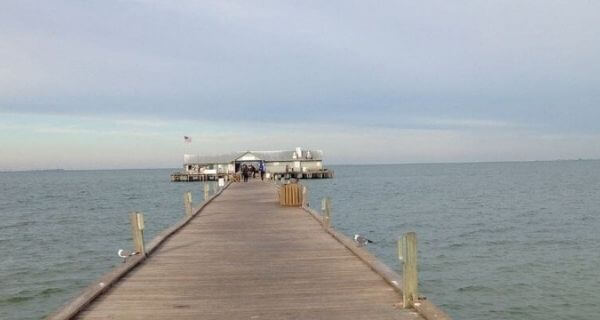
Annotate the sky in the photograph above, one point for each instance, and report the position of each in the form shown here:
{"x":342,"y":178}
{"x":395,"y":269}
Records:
{"x":117,"y":84}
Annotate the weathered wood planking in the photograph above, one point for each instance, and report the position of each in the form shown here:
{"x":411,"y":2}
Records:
{"x":246,"y":257}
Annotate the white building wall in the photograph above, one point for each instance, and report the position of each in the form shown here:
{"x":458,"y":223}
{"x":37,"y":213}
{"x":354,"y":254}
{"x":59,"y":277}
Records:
{"x":300,"y":165}
{"x":311,"y":165}
{"x":280,"y":167}
{"x":209,"y":168}
{"x":276,"y":167}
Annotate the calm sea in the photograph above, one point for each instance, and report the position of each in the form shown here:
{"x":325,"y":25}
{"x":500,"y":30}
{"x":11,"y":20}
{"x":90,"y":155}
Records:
{"x":496,"y":240}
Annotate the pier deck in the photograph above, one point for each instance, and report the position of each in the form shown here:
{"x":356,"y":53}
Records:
{"x":246,"y":257}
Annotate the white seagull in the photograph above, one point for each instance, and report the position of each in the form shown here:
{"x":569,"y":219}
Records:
{"x":125,"y":254}
{"x":361,"y":240}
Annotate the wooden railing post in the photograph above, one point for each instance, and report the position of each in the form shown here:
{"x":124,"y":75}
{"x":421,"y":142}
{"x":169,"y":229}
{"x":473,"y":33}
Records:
{"x":304,"y":195}
{"x":294,"y":194}
{"x":205,"y":191}
{"x":137,"y":231}
{"x":187,"y":201}
{"x":410,"y":278}
{"x":326,"y":212}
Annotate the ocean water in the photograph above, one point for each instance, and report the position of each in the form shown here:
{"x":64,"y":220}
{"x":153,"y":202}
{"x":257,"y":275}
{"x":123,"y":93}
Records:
{"x":59,"y":231}
{"x":496,"y":240}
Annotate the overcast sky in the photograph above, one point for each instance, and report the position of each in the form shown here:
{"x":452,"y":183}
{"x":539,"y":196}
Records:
{"x":117,"y":84}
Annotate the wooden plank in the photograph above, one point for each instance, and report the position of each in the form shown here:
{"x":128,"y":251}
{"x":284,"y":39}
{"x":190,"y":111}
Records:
{"x":409,"y":271}
{"x":293,"y":193}
{"x":187,"y":203}
{"x":281,"y":196}
{"x":137,"y":232}
{"x":326,"y":211}
{"x":304,"y":196}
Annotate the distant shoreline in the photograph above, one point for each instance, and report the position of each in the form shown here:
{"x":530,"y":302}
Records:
{"x":332,"y":164}
{"x":33,"y":170}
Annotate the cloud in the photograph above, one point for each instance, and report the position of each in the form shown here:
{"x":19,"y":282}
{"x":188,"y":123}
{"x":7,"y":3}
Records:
{"x":466,"y":123}
{"x":74,"y":126}
{"x":94,"y":132}
{"x":277,"y":61}
{"x":142,"y":123}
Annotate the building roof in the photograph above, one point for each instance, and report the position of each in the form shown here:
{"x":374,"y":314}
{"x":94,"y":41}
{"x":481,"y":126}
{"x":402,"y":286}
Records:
{"x":269,"y":156}
{"x":223,"y":158}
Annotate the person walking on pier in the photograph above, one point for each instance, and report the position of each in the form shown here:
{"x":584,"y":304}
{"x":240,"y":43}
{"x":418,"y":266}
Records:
{"x":261,"y":168}
{"x":245,"y":172}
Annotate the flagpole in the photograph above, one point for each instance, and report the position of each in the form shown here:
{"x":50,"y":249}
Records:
{"x":186,"y":150}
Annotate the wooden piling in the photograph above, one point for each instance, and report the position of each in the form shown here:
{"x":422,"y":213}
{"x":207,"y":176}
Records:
{"x":410,"y":279}
{"x":304,"y":196}
{"x":400,"y":251}
{"x":187,"y":201}
{"x":205,"y":191}
{"x":294,"y":193}
{"x":326,"y":212}
{"x":137,"y":232}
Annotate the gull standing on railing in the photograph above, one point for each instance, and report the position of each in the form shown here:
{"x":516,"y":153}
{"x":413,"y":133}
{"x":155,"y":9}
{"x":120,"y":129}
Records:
{"x":361,"y":240}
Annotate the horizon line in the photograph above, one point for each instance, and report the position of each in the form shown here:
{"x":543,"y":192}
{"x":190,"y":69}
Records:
{"x":333,"y":164}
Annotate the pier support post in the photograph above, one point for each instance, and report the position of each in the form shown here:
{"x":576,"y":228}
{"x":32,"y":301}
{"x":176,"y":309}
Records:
{"x":205,"y":191}
{"x":137,"y":231}
{"x":187,"y":201}
{"x":304,"y":195}
{"x":407,"y":250}
{"x":326,"y":212}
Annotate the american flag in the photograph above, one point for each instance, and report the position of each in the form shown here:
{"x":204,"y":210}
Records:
{"x":187,"y":139}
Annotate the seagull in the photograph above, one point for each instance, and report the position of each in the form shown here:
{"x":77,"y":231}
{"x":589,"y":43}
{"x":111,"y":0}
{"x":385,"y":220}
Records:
{"x":125,"y":254}
{"x":361,"y":240}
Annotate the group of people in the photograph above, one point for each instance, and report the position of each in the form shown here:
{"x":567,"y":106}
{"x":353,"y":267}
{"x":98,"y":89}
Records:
{"x":251,"y":171}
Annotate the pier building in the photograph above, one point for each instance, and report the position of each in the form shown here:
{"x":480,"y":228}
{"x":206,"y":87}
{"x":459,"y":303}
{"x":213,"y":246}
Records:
{"x":298,"y":163}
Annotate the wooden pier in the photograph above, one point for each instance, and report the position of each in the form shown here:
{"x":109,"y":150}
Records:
{"x":245,"y":256}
